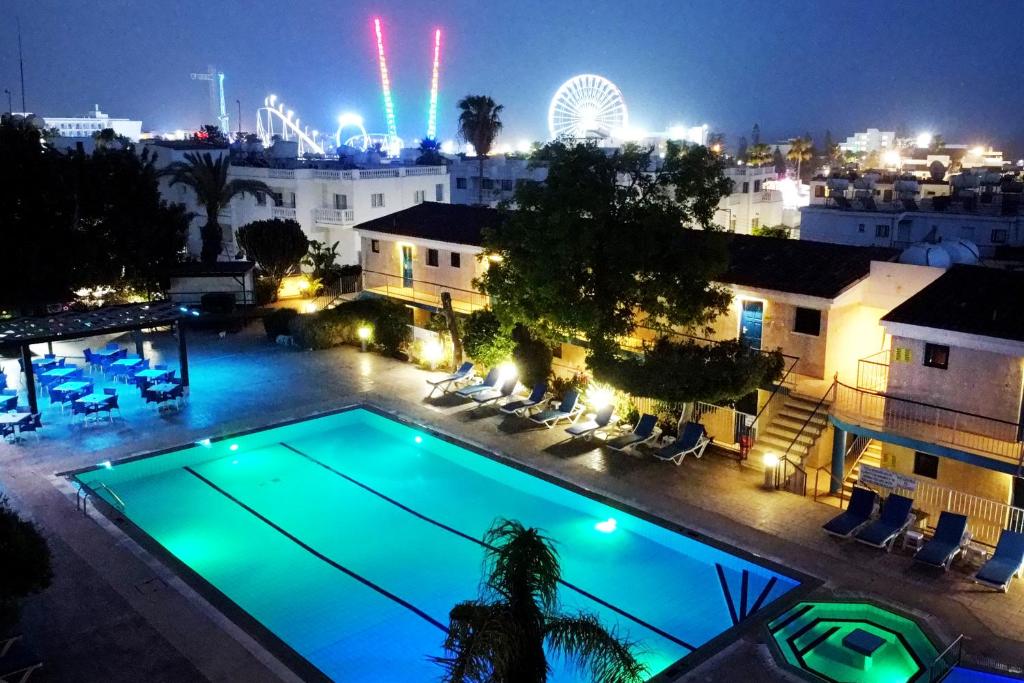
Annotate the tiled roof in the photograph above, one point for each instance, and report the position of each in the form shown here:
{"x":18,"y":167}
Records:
{"x":969,"y":299}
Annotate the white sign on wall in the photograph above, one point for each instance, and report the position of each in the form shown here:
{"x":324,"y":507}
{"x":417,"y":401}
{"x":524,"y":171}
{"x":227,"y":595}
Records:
{"x":879,"y":476}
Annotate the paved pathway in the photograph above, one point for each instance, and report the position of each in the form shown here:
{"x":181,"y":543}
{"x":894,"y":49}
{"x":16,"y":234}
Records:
{"x":111,"y":601}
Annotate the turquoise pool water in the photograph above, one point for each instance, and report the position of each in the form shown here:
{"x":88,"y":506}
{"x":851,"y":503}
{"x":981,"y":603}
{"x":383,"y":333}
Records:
{"x":351,"y":536}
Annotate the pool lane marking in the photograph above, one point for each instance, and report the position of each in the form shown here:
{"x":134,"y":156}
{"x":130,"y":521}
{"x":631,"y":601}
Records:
{"x":313,"y":551}
{"x":442,"y":525}
{"x":725,"y":591}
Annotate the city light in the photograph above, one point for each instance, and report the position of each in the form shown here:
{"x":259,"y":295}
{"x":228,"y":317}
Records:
{"x":432,"y":113}
{"x":892,"y":159}
{"x":924,"y":140}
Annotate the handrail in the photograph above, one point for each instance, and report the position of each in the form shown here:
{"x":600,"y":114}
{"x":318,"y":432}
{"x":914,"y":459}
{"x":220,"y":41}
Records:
{"x":120,"y":501}
{"x":926,"y":405}
{"x":832,"y":477}
{"x":957,"y":643}
{"x":810,"y":417}
{"x":426,"y":282}
{"x":778,"y":385}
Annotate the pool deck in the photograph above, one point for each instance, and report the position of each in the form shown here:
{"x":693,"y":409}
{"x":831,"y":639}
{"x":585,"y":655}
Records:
{"x":114,"y":613}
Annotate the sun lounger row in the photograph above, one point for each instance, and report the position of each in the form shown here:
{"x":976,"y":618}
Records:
{"x":950,"y":538}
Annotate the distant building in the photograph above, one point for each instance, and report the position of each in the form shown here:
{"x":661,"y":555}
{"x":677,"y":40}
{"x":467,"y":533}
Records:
{"x":871,"y":140}
{"x":94,"y":122}
{"x":880,"y":210}
{"x":325,"y":197}
{"x":501,"y":176}
{"x":754,"y":203}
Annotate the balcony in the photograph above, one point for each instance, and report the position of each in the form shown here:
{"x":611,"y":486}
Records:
{"x":421,"y":292}
{"x":979,"y":435}
{"x":328,"y":216}
{"x":283,"y":212}
{"x":873,"y":372}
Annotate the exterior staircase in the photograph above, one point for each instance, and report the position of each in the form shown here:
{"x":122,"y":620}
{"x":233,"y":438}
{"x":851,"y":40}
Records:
{"x":785,"y":427}
{"x":871,"y":455}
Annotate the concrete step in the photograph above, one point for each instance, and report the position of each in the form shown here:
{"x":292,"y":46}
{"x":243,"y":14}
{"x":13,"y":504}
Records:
{"x":807,"y":437}
{"x":795,"y":422}
{"x":780,"y":444}
{"x":801,"y":415}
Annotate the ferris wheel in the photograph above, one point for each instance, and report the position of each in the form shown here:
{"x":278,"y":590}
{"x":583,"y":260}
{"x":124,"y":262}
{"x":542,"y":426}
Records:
{"x":587,"y":106}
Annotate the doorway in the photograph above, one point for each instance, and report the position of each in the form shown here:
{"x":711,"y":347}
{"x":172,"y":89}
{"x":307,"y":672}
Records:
{"x":406,"y":266}
{"x":751,"y":323}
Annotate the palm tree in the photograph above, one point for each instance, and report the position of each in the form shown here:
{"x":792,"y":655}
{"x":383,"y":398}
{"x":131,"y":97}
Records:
{"x":479,"y":124}
{"x":500,"y":638}
{"x":430,"y":152}
{"x":208,"y":178}
{"x":799,"y":151}
{"x":758,"y":154}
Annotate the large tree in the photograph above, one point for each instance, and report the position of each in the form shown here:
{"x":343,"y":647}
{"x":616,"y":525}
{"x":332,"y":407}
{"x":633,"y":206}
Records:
{"x":759,"y":153}
{"x":800,"y":150}
{"x":479,"y":125}
{"x":600,"y":245}
{"x":500,"y":637}
{"x":277,"y":246}
{"x":208,"y":179}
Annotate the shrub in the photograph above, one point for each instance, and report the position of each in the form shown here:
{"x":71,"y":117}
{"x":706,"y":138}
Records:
{"x":265,"y":291}
{"x":26,"y":563}
{"x":220,"y":303}
{"x":532,"y":356}
{"x":484,"y":339}
{"x":276,"y":322}
{"x":340,"y":325}
{"x":560,"y":385}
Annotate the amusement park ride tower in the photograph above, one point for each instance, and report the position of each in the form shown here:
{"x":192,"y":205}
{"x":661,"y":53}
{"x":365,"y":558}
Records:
{"x":217,"y":106}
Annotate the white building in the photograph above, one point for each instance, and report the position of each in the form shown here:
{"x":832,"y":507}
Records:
{"x":754,"y":202}
{"x":94,"y":122}
{"x":325,"y":199}
{"x":501,"y":175}
{"x":871,"y":140}
{"x":877,"y":210}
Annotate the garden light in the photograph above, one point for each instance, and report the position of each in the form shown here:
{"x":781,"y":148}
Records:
{"x":599,"y":396}
{"x":364,"y":332}
{"x":432,"y":352}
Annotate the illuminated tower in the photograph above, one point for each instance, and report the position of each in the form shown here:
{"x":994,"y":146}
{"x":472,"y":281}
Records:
{"x":432,"y":113}
{"x":389,"y":106}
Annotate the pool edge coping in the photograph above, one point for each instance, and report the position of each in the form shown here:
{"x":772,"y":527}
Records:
{"x":304,"y":668}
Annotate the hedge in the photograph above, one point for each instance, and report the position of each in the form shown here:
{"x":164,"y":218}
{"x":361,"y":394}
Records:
{"x":276,"y":322}
{"x":336,"y":326}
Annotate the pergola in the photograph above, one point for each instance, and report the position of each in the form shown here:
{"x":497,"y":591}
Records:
{"x":70,"y":325}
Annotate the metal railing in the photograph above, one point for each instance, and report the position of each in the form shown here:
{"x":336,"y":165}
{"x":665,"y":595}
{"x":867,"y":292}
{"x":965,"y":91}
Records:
{"x":817,"y":408}
{"x":283,"y":212}
{"x":118,"y":501}
{"x":977,"y":434}
{"x":873,"y":371}
{"x":331,"y":216}
{"x":831,"y":479}
{"x":946,"y":660}
{"x":423,"y":292}
{"x":724,"y":423}
{"x":784,"y":381}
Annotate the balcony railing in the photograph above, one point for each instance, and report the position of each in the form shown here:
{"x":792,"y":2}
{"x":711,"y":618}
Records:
{"x":283,"y":212}
{"x":422,"y":292}
{"x":331,"y":216}
{"x":873,"y":372}
{"x":978,"y":434}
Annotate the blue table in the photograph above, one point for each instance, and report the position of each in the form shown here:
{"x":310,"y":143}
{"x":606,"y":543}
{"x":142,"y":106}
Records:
{"x":60,"y":373}
{"x":127,"y":363}
{"x":106,"y":353}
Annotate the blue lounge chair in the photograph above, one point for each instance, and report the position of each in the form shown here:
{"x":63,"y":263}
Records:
{"x":949,"y":539}
{"x":486,"y":396}
{"x":1006,"y":562}
{"x":3,"y":380}
{"x":490,"y":381}
{"x":858,"y":513}
{"x":896,"y":518}
{"x":692,"y":440}
{"x":464,"y":373}
{"x":521,"y":406}
{"x":585,"y":430}
{"x":568,"y":409}
{"x":642,"y":433}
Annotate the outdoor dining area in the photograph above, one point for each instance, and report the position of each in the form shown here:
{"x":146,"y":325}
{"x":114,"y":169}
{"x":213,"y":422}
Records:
{"x":87,"y":388}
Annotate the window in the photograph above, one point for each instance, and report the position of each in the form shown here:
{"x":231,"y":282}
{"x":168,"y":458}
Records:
{"x":807,"y":321}
{"x":439,"y":192}
{"x":860,"y":227}
{"x":757,"y":186}
{"x":1017,"y":500}
{"x":746,"y":187}
{"x":881,"y":230}
{"x":418,"y":196}
{"x":936,"y":356}
{"x":432,"y":257}
{"x":926,"y":465}
{"x":261,"y":199}
{"x":887,"y":196}
{"x":487,"y":183}
{"x":755,"y":223}
{"x":507,"y":185}
{"x":456,"y":260}
{"x":375,"y":246}
{"x":999,"y":236}
{"x":819,"y":190}
{"x":460,"y":183}
{"x":340,"y":202}
{"x":278,"y":200}
{"x":377,"y":200}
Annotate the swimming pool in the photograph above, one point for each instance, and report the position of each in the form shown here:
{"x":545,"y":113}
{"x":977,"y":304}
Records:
{"x":348,"y":538}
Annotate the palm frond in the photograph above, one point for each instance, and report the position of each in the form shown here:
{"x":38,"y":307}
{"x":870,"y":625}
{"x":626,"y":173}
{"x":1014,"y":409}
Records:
{"x":521,"y":565}
{"x":480,"y":645}
{"x":596,"y":652}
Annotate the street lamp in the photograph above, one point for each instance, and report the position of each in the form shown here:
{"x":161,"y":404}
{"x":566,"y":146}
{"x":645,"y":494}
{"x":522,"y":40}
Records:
{"x":10,"y":105}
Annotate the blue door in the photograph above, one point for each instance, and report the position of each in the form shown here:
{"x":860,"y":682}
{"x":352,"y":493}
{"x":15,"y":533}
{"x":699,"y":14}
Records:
{"x":751,"y":320}
{"x":406,"y":266}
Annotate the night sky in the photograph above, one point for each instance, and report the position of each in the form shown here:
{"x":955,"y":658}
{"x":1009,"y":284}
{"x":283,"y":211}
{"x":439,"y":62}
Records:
{"x":950,"y":67}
